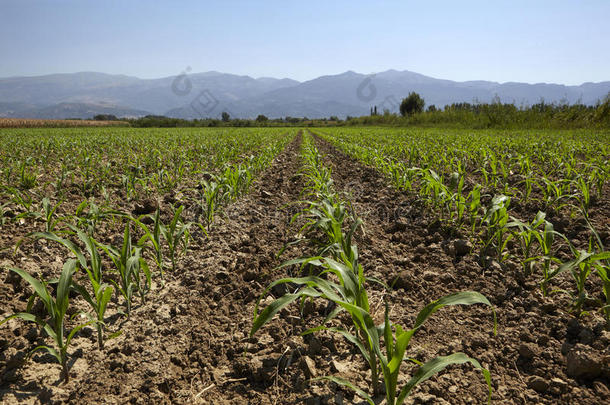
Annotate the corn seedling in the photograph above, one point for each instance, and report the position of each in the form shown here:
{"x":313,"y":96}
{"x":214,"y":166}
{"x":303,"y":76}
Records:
{"x":474,"y":205}
{"x":584,"y":194}
{"x":214,"y":193}
{"x":102,"y":292}
{"x":525,"y":234}
{"x":458,"y":201}
{"x":88,"y":215}
{"x":603,"y":271}
{"x":581,"y":268}
{"x":56,"y":308}
{"x":396,"y":343}
{"x":175,"y":233}
{"x":495,"y":221}
{"x":350,"y":295}
{"x":21,"y":198}
{"x":236,"y":179}
{"x":329,"y":216}
{"x":546,"y":238}
{"x":134,"y":274}
{"x":27,"y":179}
{"x":48,"y":212}
{"x":602,"y":267}
{"x":154,"y":237}
{"x":528,"y":184}
{"x":555,"y":192}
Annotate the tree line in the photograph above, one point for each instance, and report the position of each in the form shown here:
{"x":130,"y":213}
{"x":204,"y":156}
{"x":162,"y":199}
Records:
{"x":413,"y":112}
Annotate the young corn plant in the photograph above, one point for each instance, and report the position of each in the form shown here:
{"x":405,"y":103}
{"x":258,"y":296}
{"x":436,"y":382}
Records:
{"x":434,"y":191}
{"x":154,"y":237}
{"x":525,"y":234}
{"x":88,"y":215}
{"x":329,"y":216}
{"x":56,"y":307}
{"x":495,"y":221}
{"x":528,"y":184}
{"x":583,"y":196}
{"x":214,"y":192}
{"x":63,"y":175}
{"x":396,"y":343}
{"x":349,"y":294}
{"x":458,"y":201}
{"x":176,"y":233}
{"x":102,"y":292}
{"x":602,"y":269}
{"x":134,"y":274}
{"x":48,"y":212}
{"x":580,"y":268}
{"x":474,"y":205}
{"x":237,"y":179}
{"x":27,"y":178}
{"x":21,"y":198}
{"x":546,"y":239}
{"x":555,"y":192}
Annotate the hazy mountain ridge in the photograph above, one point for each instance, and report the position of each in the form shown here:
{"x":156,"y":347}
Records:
{"x":200,"y":95}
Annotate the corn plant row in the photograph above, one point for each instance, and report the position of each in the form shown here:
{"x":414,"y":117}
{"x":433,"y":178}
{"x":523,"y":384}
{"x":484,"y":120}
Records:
{"x":585,"y":171}
{"x":568,"y":169}
{"x":84,"y":277}
{"x":101,"y":162}
{"x":339,"y":278}
{"x":234,"y":179}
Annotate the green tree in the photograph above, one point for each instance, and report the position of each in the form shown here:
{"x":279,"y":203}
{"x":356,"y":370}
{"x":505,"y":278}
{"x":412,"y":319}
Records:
{"x":105,"y":117}
{"x":261,"y":118}
{"x":414,"y":103}
{"x":225,"y":116}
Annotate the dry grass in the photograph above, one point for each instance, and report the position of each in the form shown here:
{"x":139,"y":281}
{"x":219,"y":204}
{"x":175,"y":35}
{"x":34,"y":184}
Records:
{"x":37,"y":123}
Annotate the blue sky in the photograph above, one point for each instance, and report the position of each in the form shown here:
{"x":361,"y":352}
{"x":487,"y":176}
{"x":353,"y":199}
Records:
{"x":531,"y":41}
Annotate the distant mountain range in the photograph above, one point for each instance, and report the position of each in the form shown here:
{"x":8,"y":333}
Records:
{"x":202,"y":95}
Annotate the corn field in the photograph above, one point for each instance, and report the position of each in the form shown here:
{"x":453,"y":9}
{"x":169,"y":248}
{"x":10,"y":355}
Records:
{"x":321,"y":265}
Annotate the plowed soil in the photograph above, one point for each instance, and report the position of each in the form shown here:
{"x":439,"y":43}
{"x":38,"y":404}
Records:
{"x":189,"y":343}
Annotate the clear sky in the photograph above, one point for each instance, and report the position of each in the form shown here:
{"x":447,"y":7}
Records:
{"x":532,"y":41}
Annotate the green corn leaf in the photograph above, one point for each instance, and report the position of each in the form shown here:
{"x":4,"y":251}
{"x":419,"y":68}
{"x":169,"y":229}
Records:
{"x":437,"y":364}
{"x":345,"y":383}
{"x":63,"y":288}
{"x":352,"y":339}
{"x":270,"y":310}
{"x":67,"y":243}
{"x":460,"y":298}
{"x":74,"y":331}
{"x":40,"y":290}
{"x":26,"y":316}
{"x":104,"y":297}
{"x":50,"y":350}
{"x":82,"y":291}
